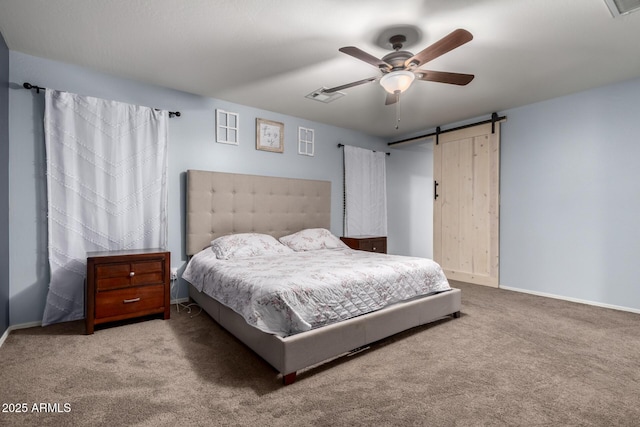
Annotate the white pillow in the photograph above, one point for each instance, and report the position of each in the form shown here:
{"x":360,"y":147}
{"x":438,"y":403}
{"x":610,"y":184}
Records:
{"x":246,"y":245}
{"x":312,"y":239}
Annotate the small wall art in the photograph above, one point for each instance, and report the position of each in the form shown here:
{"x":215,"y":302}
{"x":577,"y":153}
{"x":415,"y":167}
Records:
{"x":227,"y":127}
{"x":269,"y":135}
{"x":305,"y":141}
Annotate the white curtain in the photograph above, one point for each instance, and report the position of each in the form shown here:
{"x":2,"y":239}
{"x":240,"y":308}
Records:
{"x":365,"y":192}
{"x":106,"y":188}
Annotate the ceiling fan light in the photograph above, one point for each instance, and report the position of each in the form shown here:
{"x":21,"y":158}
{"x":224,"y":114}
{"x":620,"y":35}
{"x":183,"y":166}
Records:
{"x":397,"y":81}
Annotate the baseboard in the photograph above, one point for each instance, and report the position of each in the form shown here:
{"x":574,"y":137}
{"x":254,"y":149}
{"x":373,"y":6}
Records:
{"x":179,"y":300}
{"x":16,"y":327}
{"x":4,"y":336}
{"x":570,"y":299}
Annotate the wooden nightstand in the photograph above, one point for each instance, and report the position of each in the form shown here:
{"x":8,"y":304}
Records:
{"x":127,"y":284}
{"x":367,"y":243}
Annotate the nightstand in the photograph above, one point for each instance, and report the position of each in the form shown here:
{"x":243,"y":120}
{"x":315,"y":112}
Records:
{"x":127,"y":284}
{"x":367,"y":243}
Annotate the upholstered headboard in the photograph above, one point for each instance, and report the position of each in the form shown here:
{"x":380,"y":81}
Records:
{"x":223,"y":203}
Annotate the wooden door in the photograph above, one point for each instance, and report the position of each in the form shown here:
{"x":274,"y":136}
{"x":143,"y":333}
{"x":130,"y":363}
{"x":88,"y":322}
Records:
{"x":466,"y":208}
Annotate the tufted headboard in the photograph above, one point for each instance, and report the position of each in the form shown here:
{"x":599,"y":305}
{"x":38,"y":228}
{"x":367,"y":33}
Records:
{"x":223,"y":203}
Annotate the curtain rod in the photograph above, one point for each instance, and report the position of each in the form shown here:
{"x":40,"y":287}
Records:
{"x":342,"y":145}
{"x":493,"y":120}
{"x":39,"y":88}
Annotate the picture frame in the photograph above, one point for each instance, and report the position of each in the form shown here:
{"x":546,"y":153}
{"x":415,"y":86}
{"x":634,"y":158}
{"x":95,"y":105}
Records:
{"x":269,"y":136}
{"x":305,"y":141}
{"x":227,"y":127}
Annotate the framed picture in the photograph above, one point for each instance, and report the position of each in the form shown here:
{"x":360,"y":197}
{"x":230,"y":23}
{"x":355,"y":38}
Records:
{"x":305,"y":141}
{"x":269,"y":135}
{"x":227,"y":127}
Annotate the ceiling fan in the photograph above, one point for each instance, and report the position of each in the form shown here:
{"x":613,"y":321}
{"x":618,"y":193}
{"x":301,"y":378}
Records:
{"x":400,"y":67}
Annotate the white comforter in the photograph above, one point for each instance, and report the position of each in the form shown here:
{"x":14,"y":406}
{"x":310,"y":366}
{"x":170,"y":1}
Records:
{"x":287,"y":294}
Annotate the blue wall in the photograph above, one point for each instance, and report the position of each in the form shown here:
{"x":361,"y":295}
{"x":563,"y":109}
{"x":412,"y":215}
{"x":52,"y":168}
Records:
{"x":4,"y":186}
{"x":410,"y":201}
{"x":191,"y":146}
{"x":570,"y":197}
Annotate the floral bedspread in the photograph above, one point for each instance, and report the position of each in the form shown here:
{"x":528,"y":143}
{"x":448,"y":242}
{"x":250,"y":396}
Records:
{"x":295,"y":292}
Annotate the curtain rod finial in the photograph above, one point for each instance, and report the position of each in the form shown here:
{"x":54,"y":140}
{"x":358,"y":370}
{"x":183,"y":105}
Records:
{"x":28,"y":85}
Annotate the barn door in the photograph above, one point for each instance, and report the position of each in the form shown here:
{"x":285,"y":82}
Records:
{"x":466,"y":206}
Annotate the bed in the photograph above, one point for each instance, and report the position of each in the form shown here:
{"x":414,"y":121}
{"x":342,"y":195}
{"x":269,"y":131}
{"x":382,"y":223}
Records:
{"x":231,"y":205}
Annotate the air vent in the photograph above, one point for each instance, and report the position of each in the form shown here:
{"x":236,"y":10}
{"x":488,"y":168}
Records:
{"x":320,"y":95}
{"x":622,"y":7}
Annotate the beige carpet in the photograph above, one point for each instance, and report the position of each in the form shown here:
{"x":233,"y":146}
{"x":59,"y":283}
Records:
{"x":511,"y":359}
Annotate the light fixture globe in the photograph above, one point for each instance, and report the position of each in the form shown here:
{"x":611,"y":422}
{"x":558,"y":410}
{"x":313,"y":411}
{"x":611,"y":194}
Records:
{"x":397,"y":81}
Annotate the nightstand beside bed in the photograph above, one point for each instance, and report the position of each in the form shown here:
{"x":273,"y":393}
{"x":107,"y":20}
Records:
{"x":127,"y":284}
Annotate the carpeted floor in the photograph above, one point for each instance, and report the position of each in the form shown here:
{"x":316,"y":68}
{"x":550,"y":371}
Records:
{"x":511,"y":359}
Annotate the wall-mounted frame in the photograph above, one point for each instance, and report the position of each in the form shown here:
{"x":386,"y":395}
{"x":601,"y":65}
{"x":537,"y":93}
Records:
{"x":305,"y":141}
{"x":269,"y":136}
{"x":227,"y":127}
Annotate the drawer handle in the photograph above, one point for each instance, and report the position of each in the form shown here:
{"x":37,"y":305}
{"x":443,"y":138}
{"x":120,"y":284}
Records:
{"x":127,"y":301}
{"x":132,"y":274}
{"x":374,"y":248}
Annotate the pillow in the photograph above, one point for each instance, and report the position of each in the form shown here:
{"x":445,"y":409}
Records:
{"x":246,"y":245}
{"x":312,"y":239}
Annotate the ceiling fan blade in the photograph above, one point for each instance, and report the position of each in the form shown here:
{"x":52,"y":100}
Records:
{"x":444,"y":77}
{"x":364,"y":56}
{"x":446,"y":44}
{"x":392,"y":98}
{"x":348,"y":85}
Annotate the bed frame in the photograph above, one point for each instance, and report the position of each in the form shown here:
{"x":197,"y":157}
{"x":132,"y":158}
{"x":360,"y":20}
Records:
{"x":222,"y":203}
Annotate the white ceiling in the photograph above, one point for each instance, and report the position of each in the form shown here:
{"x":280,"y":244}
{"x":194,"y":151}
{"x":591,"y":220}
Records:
{"x":271,"y":53}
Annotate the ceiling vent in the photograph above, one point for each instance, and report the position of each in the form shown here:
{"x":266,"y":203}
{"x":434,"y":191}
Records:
{"x":322,"y":96}
{"x":622,"y":7}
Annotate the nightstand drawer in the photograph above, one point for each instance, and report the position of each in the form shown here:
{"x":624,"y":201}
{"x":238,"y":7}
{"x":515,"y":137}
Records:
{"x":367,"y":243}
{"x":129,"y":300}
{"x":121,"y":275}
{"x":374,"y":245}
